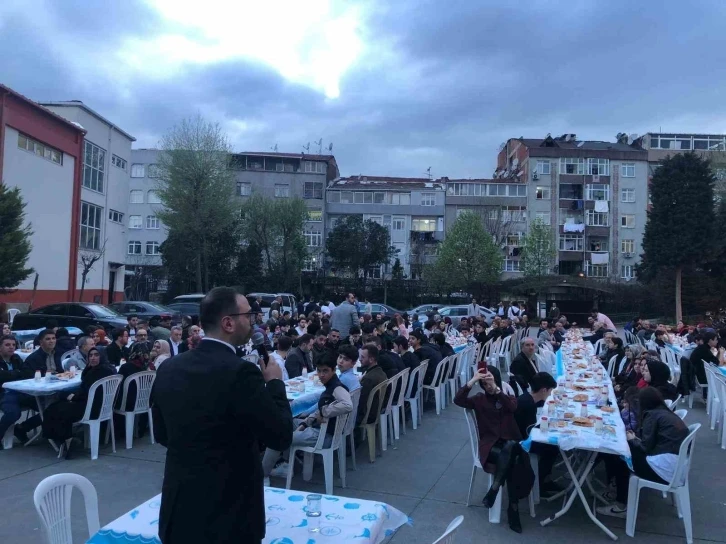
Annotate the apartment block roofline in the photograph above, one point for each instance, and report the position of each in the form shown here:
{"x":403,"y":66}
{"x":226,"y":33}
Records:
{"x":305,"y":156}
{"x":477,"y":180}
{"x":40,"y":107}
{"x":373,"y":182}
{"x":80,"y":104}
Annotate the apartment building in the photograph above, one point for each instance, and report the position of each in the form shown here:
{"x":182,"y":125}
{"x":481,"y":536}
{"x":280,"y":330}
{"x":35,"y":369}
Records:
{"x":594,"y":194}
{"x":103,"y":199}
{"x":412,"y":209}
{"x":145,"y":232}
{"x":41,"y":153}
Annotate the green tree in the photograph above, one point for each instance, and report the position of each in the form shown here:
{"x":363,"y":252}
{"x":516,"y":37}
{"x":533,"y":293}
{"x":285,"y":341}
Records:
{"x":679,"y":231}
{"x":467,"y":259}
{"x":538,"y":251}
{"x":397,"y":270}
{"x":195,"y":186}
{"x":15,"y":247}
{"x":356,"y":245}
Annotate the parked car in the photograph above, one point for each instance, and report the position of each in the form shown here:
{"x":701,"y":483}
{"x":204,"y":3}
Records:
{"x":70,"y":314}
{"x":423,"y":309}
{"x":384,"y":309}
{"x":145,"y":310}
{"x":190,"y":309}
{"x":195,"y":297}
{"x":289,"y":304}
{"x":462,"y":310}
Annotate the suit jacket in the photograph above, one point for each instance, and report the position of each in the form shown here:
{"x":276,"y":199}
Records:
{"x":36,"y":361}
{"x":296,"y":361}
{"x":182,"y":347}
{"x":522,"y":371}
{"x":211,"y":410}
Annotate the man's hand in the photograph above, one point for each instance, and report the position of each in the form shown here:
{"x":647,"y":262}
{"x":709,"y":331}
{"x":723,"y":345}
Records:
{"x":630,"y":435}
{"x":271,"y":370}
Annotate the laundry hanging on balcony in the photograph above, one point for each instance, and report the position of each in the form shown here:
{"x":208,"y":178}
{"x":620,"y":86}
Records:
{"x":601,"y":206}
{"x":599,"y":258}
{"x":574,"y":227}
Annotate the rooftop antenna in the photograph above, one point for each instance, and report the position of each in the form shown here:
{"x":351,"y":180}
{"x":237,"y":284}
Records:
{"x":428,"y":172}
{"x":306,"y":148}
{"x":319,"y":143}
{"x":330,"y":147}
{"x":274,"y":148}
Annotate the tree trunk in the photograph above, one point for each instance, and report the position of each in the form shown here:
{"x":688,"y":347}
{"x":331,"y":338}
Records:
{"x":83,"y":286}
{"x":679,"y":308}
{"x":199,"y":273}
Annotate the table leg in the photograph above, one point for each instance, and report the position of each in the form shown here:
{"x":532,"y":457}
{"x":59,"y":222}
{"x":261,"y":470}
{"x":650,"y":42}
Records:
{"x":41,"y":411}
{"x":578,"y":481}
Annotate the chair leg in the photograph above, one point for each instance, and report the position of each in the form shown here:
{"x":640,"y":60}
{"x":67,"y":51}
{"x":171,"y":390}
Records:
{"x":414,"y":413}
{"x":94,"y":428}
{"x":341,"y":462}
{"x":352,"y":449}
{"x":683,"y":498}
{"x":632,"y":509}
{"x":371,"y":432}
{"x":130,"y":418}
{"x":290,"y":468}
{"x":328,"y":468}
{"x":307,"y":465}
{"x":113,"y":435}
{"x":495,"y":512}
{"x":437,"y":398}
{"x":690,"y":399}
{"x":531,"y":504}
{"x":383,"y":426}
{"x":471,"y":484}
{"x":403,"y":417}
{"x":534,"y":462}
{"x":419,"y":398}
{"x":151,"y":427}
{"x":396,"y":422}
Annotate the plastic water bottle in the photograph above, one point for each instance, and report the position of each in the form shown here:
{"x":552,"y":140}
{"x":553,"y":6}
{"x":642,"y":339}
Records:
{"x":37,"y":376}
{"x":314,"y":512}
{"x":544,"y":424}
{"x":305,"y":373}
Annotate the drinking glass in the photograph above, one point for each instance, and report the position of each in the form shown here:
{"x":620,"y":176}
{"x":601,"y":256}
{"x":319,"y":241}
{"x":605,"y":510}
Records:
{"x":314,"y":512}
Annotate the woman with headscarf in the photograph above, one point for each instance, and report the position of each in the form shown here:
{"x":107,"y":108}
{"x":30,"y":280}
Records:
{"x":60,"y":416}
{"x":159,"y":353}
{"x":99,"y":338}
{"x":656,"y":374}
{"x":630,"y":374}
{"x":499,"y":438}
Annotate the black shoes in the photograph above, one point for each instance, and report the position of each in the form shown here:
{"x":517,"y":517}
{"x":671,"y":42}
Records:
{"x":20,"y":434}
{"x":513,"y":518}
{"x":490,"y":498}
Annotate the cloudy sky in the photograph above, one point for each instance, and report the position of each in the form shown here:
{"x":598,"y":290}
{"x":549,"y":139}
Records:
{"x":397,"y":86}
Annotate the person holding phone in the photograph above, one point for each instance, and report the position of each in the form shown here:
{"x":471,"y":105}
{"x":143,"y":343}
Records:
{"x":499,"y":437}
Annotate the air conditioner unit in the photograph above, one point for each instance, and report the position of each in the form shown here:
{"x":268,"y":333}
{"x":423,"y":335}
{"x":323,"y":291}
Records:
{"x":534,"y":176}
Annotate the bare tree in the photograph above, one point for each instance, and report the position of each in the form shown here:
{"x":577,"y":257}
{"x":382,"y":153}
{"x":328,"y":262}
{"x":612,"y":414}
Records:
{"x":142,"y":278}
{"x":497,"y":224}
{"x":86,"y":260}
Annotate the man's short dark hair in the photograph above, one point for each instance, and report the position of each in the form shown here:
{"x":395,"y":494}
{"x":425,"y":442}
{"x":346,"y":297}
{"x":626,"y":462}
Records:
{"x":303,"y":318}
{"x":117,"y":333}
{"x":333,"y":330}
{"x":44,"y":333}
{"x":542,"y":380}
{"x":372,"y":339}
{"x":467,"y":329}
{"x":304,"y":339}
{"x":284,"y":343}
{"x":320,"y":332}
{"x":349,"y":352}
{"x":354,"y":330}
{"x":219,"y":302}
{"x":372,"y":350}
{"x":439,"y":338}
{"x":329,"y":362}
{"x":368,"y":328}
{"x":130,"y":317}
{"x":430,"y":324}
{"x":6,"y":337}
{"x":401,"y":342}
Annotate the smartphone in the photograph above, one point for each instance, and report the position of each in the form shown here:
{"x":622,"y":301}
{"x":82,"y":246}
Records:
{"x":482,"y":365}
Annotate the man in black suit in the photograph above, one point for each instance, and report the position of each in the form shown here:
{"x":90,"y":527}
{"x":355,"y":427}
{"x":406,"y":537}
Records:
{"x":524,"y":365}
{"x":176,"y":344}
{"x":211,"y":411}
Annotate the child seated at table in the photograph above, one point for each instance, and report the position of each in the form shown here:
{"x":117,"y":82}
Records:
{"x":334,"y":401}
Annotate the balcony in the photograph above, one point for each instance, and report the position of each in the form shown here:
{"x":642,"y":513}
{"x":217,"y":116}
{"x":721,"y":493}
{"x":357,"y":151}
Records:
{"x":427,"y":236}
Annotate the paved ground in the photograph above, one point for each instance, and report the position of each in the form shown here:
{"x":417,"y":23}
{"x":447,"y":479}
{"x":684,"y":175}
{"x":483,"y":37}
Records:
{"x":427,"y":477}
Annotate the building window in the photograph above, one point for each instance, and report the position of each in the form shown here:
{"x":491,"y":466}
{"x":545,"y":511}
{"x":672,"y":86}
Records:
{"x":572,"y":242}
{"x":543,"y":193}
{"x":467,"y":189}
{"x":627,"y":195}
{"x":363,"y":198}
{"x":627,"y":246}
{"x":136,"y":197}
{"x":315,"y":167}
{"x":310,"y":264}
{"x":627,"y":221}
{"x":333,"y":197}
{"x":134,"y":248}
{"x":313,"y":189}
{"x":598,"y":167}
{"x":572,"y":166}
{"x":115,"y":217}
{"x":154,"y":171}
{"x":545,"y":217}
{"x":134,"y":221}
{"x":543,"y":168}
{"x":282,"y":191}
{"x":94,"y":166}
{"x":597,"y":191}
{"x":152,"y":222}
{"x":596,"y":219}
{"x":497,"y":189}
{"x":41,"y":150}
{"x":313,"y":238}
{"x":575,"y":217}
{"x":514,"y":213}
{"x":399,"y":223}
{"x":137,"y":171}
{"x":315,"y":216}
{"x":423,"y":225}
{"x":118,"y":162}
{"x":597,"y":270}
{"x":571,"y":191}
{"x":627,"y":170}
{"x":627,"y":271}
{"x":517,"y":190}
{"x":90,"y":226}
{"x":514,"y":240}
{"x":510,"y":265}
{"x":346,"y":197}
{"x":153,"y":198}
{"x":428,"y":199}
{"x":403,"y":199}
{"x":153,"y":248}
{"x":244,"y":189}
{"x":379,"y":198}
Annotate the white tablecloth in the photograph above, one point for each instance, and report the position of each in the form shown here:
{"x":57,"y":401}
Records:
{"x":300,"y":402}
{"x":42,"y":388}
{"x":23,"y":354}
{"x":342,"y":520}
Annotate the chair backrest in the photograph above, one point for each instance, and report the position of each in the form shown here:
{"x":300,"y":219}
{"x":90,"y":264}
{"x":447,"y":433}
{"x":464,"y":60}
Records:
{"x":401,"y":377}
{"x":473,"y":435}
{"x":68,"y":354}
{"x":341,"y":422}
{"x":611,"y":365}
{"x":682,"y":413}
{"x":598,"y":346}
{"x":144,"y":382}
{"x":440,"y":372}
{"x":450,"y":533}
{"x":416,"y":376}
{"x":388,"y":399}
{"x":12,"y":312}
{"x":52,"y":498}
{"x":350,"y":424}
{"x":685,"y":454}
{"x":28,"y":344}
{"x":377,"y":394}
{"x":109,"y":386}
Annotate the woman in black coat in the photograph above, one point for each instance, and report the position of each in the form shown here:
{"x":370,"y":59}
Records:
{"x":657,"y":374}
{"x":60,"y":417}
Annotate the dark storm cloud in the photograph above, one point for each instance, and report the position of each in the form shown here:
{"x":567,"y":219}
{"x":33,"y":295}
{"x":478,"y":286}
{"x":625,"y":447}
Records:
{"x":439,"y":84}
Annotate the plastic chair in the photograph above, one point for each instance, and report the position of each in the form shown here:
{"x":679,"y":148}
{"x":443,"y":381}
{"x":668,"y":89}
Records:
{"x":611,"y":365}
{"x":327,"y":454}
{"x":453,"y":375}
{"x":450,"y":533}
{"x":12,"y":312}
{"x":109,"y":387}
{"x":144,"y":382}
{"x":29,"y":344}
{"x":699,"y":387}
{"x":348,"y":433}
{"x":386,"y":413}
{"x":415,"y":400}
{"x":398,"y":406}
{"x":7,"y":438}
{"x":719,"y":384}
{"x":436,"y":382}
{"x":714,"y":400}
{"x":52,"y":498}
{"x":679,"y":488}
{"x":598,"y":346}
{"x":682,"y":413}
{"x":377,"y":394}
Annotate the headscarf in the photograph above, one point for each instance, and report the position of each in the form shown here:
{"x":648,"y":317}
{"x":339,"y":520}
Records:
{"x":660,"y":374}
{"x":636,"y":350}
{"x":139,"y":355}
{"x":163,"y":354}
{"x":101,"y":337}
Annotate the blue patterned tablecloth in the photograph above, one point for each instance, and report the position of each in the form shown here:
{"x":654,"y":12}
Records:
{"x":44,"y":388}
{"x":722,"y":370}
{"x":343,"y":519}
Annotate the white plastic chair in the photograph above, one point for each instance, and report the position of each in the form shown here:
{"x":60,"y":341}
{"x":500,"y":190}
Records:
{"x":436,"y":382}
{"x":679,"y":488}
{"x":598,"y":346}
{"x":453,"y":374}
{"x":348,"y":433}
{"x":377,"y":394}
{"x":682,"y":413}
{"x":415,"y":400}
{"x":12,"y":312}
{"x":714,"y":400}
{"x":386,"y":412}
{"x":29,"y":344}
{"x":611,"y":365}
{"x":719,"y":384}
{"x":52,"y":498}
{"x":398,"y":406}
{"x":109,"y":386}
{"x":450,"y":533}
{"x":144,"y":382}
{"x":699,"y":388}
{"x":7,"y":438}
{"x":327,"y":454}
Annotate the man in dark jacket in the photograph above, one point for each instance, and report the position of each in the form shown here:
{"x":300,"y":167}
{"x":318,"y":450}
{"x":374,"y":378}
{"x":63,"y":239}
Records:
{"x":524,"y":365}
{"x":400,"y":346}
{"x":300,"y":357}
{"x":46,"y":358}
{"x":117,"y":349}
{"x":12,"y":403}
{"x":372,"y":377}
{"x":424,"y":350}
{"x":212,"y":411}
